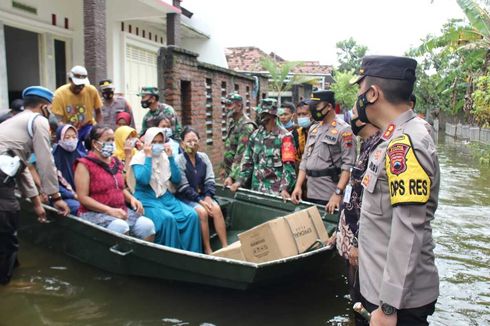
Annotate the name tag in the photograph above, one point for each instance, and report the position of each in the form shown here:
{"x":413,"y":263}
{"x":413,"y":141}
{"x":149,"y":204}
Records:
{"x":347,"y":194}
{"x":369,"y":181}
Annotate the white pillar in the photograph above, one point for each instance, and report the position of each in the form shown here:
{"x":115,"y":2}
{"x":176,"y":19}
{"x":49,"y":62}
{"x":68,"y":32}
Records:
{"x":4,"y":94}
{"x":47,"y":61}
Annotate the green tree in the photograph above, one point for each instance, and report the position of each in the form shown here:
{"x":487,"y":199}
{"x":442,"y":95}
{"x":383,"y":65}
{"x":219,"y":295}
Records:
{"x":281,"y":77}
{"x":345,"y":93}
{"x":349,"y":55}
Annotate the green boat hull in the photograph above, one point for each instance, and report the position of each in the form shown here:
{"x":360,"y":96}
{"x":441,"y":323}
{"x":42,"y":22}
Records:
{"x":129,"y":256}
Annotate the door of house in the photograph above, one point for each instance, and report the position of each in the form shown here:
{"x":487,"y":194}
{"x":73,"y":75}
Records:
{"x":141,"y":70}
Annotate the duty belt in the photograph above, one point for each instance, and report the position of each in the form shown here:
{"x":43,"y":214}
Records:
{"x":329,"y":172}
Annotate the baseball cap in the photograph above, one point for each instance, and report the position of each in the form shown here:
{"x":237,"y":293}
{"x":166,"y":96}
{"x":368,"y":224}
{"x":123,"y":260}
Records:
{"x":79,"y":75}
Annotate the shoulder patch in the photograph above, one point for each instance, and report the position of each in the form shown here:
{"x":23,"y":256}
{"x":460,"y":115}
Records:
{"x":407,"y":179}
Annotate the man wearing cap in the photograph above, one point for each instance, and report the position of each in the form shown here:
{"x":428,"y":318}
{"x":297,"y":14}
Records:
{"x":269,"y":157}
{"x":78,"y":103}
{"x":113,"y":104}
{"x":329,"y":155}
{"x":157,"y":111}
{"x":398,"y":276}
{"x":15,"y":107}
{"x":20,"y":136}
{"x":239,"y":130}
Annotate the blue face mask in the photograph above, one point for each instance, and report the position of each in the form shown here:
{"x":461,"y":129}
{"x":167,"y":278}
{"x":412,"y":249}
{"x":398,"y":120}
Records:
{"x":157,"y":149}
{"x":288,"y":124}
{"x":304,"y":122}
{"x":107,"y":148}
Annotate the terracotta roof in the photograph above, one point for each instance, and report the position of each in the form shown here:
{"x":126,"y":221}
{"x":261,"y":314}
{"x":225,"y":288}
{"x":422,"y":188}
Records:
{"x":248,"y":59}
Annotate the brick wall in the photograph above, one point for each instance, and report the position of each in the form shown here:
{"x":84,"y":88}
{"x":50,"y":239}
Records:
{"x":179,"y":70}
{"x":94,"y":29}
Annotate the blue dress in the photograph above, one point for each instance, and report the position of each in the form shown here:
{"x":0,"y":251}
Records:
{"x":177,"y":224}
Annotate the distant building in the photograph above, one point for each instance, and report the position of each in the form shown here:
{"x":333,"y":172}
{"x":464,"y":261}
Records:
{"x":247,"y":60}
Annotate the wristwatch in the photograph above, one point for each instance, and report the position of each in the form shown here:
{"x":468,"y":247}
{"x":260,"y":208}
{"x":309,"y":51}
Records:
{"x":55,"y":197}
{"x":387,"y":309}
{"x":338,"y":191}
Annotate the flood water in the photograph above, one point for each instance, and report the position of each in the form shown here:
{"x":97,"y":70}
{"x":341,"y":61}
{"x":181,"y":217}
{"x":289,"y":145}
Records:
{"x":53,"y":289}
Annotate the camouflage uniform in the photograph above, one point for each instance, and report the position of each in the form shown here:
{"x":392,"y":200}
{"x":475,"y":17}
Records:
{"x":153,"y":118}
{"x":269,"y":161}
{"x":235,"y":144}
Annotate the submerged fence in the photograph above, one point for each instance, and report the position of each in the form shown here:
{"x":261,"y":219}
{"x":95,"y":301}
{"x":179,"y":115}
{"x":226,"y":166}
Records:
{"x":467,"y":132}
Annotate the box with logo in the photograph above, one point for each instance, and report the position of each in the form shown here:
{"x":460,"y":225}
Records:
{"x":232,"y":251}
{"x":284,"y":236}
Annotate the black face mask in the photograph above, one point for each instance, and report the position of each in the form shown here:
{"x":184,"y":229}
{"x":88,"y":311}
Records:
{"x":318,"y":115}
{"x":354,"y":127}
{"x":145,"y":104}
{"x":108,"y":95}
{"x":361,"y":106}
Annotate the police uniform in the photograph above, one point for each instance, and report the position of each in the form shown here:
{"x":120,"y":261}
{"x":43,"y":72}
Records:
{"x":401,"y":187}
{"x":21,"y":135}
{"x":112,"y":106}
{"x":330,"y":149}
{"x":269,"y":157}
{"x":236,"y":141}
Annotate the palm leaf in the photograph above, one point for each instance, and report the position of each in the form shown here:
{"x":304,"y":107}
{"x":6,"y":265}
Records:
{"x":479,"y":17}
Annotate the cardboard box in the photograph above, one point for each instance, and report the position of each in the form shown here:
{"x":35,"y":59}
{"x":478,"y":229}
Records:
{"x":232,"y":251}
{"x":284,"y":236}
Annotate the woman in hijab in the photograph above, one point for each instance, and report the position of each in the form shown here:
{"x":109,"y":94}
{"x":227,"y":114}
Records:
{"x":151,"y":177}
{"x":67,"y":151}
{"x":127,"y":143}
{"x":123,"y":119}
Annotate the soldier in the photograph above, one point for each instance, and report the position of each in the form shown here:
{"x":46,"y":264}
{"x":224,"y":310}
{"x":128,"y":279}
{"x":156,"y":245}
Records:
{"x":158,"y":111}
{"x":330,"y":153}
{"x":398,"y":277}
{"x":239,"y":131}
{"x":112,"y":105}
{"x":269,"y":157}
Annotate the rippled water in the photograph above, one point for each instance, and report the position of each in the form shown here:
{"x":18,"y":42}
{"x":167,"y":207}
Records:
{"x":52,"y":289}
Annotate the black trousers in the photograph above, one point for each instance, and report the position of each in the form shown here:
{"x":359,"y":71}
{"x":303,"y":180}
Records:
{"x":408,"y":317}
{"x":9,"y":223}
{"x":352,"y":273}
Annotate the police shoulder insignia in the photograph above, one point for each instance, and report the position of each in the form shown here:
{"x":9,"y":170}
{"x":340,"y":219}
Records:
{"x":389,"y":131}
{"x":288,"y":151}
{"x":408,"y":181}
{"x":347,"y":138}
{"x":334,"y":131}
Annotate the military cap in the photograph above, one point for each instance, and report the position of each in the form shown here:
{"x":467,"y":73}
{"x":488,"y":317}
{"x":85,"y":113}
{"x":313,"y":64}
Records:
{"x":387,"y":67}
{"x":148,"y":90}
{"x":38,"y":91}
{"x":323,"y":96}
{"x":106,"y":84}
{"x":234,"y":97}
{"x":267,"y":105}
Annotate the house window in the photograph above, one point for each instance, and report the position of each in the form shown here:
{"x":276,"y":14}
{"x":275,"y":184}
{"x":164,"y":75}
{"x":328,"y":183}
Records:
{"x":237,"y":88}
{"x":209,"y":111}
{"x":186,"y":102}
{"x":223,"y":111}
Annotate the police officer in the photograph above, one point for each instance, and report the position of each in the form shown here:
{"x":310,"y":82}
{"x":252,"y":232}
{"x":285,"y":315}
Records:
{"x":398,"y":277}
{"x":269,"y":157}
{"x":330,"y":153}
{"x":113,"y":104}
{"x":21,"y":135}
{"x":239,"y":131}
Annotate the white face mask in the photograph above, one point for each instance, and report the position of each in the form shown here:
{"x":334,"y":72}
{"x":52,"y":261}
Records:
{"x":69,"y":145}
{"x":107,"y":148}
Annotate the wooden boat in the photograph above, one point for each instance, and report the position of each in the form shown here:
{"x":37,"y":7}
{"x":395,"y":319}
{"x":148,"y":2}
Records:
{"x":117,"y":253}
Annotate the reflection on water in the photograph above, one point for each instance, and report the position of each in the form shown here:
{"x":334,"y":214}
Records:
{"x":52,"y":289}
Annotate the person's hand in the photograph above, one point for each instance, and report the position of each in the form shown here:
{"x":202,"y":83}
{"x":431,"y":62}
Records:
{"x":354,"y":256}
{"x":228,"y":182}
{"x":40,"y":212}
{"x":285,"y":195}
{"x":333,"y":203}
{"x":296,"y":195}
{"x":138,"y":145}
{"x":332,"y":240}
{"x":378,"y":318}
{"x":147,"y":150}
{"x":128,"y":148}
{"x":207,"y":207}
{"x":62,"y":207}
{"x":44,"y":198}
{"x":117,"y":213}
{"x":234,"y":187}
{"x":168,"y":149}
{"x":137,"y":206}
